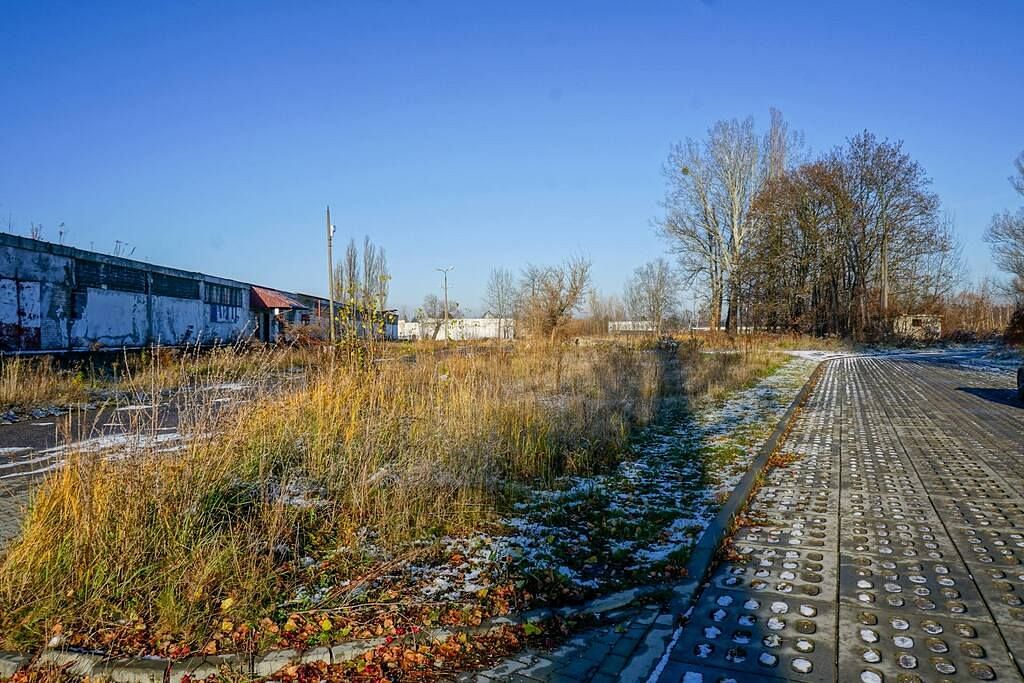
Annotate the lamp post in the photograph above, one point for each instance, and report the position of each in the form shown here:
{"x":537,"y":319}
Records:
{"x":444,"y":271}
{"x":330,"y":274}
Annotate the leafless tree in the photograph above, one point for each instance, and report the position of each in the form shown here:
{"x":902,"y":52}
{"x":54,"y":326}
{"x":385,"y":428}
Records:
{"x":601,"y":310}
{"x":1005,"y":235}
{"x":550,"y":294}
{"x":348,"y":277}
{"x":843,"y":241}
{"x":500,"y":297}
{"x":712,"y":185}
{"x":652,"y":294}
{"x":432,"y":312}
{"x":692,"y":224}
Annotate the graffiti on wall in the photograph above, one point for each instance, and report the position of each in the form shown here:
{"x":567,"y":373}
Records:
{"x":20,"y":321}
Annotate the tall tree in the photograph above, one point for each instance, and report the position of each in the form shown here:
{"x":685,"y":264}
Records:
{"x":712,"y":185}
{"x":1005,"y":235}
{"x":845,"y":241}
{"x":652,"y":294}
{"x":362,"y":280}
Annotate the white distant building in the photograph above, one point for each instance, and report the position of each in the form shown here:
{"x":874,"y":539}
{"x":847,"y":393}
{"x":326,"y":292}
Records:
{"x":459,"y":329}
{"x":631,"y":327}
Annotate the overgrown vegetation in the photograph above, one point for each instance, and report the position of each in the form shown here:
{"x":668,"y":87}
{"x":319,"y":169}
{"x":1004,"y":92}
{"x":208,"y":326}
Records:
{"x":203,"y":545}
{"x":27,"y":382}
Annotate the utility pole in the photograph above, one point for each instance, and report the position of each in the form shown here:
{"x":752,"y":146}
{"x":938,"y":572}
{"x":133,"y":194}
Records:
{"x":330,"y":274}
{"x":445,"y":272}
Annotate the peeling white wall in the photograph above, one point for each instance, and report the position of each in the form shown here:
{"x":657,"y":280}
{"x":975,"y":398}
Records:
{"x":36,"y":290}
{"x":111,"y":319}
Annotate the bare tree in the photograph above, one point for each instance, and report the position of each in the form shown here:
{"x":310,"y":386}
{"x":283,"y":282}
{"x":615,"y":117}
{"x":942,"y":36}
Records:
{"x":432,"y":312}
{"x":500,"y":297}
{"x":712,"y":185}
{"x":692,"y":224}
{"x":383,"y":279}
{"x":652,"y":294}
{"x":550,"y":294}
{"x":1005,"y":235}
{"x":348,"y":276}
{"x":603,"y":309}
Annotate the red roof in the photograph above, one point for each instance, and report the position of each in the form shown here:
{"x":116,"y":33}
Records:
{"x":260,"y":297}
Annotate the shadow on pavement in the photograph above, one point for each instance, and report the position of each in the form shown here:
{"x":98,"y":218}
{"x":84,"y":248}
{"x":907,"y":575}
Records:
{"x":1007,"y":397}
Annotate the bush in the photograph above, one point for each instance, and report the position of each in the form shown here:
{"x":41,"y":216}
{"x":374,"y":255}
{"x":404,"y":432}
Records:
{"x":1014,"y":335}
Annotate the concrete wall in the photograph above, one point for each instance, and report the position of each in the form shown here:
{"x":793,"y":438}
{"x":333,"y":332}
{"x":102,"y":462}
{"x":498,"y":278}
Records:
{"x":460,"y":329}
{"x":631,"y":327}
{"x":58,"y":298}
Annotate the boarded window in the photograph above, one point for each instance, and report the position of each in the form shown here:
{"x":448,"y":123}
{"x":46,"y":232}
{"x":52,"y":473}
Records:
{"x":222,"y":295}
{"x":109,"y":276}
{"x":79,"y":302}
{"x":178,"y":287}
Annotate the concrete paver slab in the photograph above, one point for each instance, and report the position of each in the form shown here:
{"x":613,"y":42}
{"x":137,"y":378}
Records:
{"x":909,"y":489}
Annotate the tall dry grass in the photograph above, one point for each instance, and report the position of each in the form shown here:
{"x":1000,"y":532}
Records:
{"x":399,"y":449}
{"x":27,"y":382}
{"x":38,"y":381}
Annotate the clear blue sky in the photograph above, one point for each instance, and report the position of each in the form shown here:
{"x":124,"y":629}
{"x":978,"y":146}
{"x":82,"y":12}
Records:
{"x":210,"y":135}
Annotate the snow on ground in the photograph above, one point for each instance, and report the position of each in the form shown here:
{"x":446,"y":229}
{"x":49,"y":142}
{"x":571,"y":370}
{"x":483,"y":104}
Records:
{"x":113,"y":446}
{"x":599,"y":533}
{"x":981,"y":357}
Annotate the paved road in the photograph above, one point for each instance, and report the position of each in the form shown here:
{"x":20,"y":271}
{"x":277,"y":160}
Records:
{"x":891,"y":550}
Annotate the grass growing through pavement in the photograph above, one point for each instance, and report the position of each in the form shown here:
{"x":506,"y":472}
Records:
{"x":199,"y":547}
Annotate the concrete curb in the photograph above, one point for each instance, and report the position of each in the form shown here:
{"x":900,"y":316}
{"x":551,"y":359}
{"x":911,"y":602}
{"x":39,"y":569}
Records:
{"x":159,"y":670}
{"x":683,"y":594}
{"x":703,"y":558}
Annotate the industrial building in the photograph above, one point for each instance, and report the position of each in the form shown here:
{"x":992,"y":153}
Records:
{"x":56,"y":298}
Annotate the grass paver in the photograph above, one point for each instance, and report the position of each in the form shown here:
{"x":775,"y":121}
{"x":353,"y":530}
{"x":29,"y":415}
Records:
{"x":902,"y":516}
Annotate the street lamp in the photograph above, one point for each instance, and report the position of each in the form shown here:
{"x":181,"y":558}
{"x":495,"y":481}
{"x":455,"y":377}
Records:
{"x":444,"y":271}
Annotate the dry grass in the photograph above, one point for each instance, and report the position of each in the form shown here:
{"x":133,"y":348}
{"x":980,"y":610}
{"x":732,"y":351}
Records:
{"x":28,"y":382}
{"x":38,"y":381}
{"x":418,"y":443}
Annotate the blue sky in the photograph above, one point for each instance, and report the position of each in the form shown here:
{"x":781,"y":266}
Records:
{"x":476,"y":134}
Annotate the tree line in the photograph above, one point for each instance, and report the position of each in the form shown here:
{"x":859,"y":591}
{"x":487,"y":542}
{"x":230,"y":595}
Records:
{"x":775,"y":238}
{"x":835,"y":244}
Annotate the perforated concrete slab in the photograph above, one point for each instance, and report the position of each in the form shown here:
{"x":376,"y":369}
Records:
{"x":784,"y":571}
{"x":768,"y":635}
{"x":900,"y":520}
{"x":910,"y":587}
{"x":886,"y":646}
